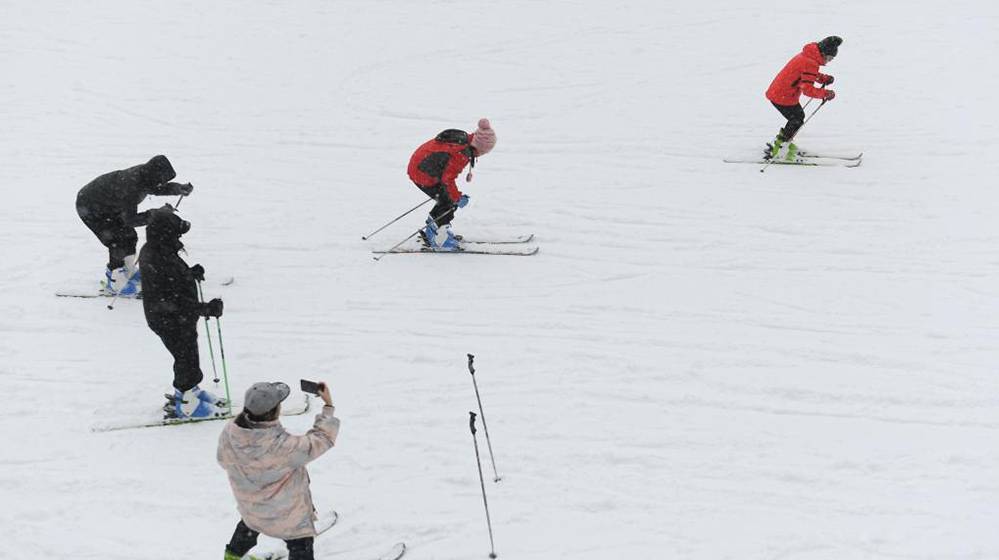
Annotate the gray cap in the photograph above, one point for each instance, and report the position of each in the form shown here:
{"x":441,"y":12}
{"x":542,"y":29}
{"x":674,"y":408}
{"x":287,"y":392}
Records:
{"x":262,"y":397}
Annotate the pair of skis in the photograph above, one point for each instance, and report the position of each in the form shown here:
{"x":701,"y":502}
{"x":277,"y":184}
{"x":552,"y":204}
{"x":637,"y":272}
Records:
{"x":806,"y":158}
{"x":100,"y":293}
{"x":286,"y":410}
{"x":514,"y":246}
{"x":324,"y":524}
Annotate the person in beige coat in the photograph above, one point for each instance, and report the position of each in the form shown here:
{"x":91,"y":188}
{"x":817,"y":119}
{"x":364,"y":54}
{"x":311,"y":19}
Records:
{"x":266,"y":468}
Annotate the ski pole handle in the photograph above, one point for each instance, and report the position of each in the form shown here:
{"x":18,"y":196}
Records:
{"x":471,"y":422}
{"x":471,"y":365}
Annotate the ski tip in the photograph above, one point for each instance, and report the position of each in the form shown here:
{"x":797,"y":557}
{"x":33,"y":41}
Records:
{"x":396,"y":553}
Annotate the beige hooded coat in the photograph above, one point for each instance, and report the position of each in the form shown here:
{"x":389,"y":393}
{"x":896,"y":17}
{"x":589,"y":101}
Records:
{"x":266,"y":468}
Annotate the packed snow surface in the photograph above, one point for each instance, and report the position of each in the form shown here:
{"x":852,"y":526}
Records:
{"x":702,"y":362}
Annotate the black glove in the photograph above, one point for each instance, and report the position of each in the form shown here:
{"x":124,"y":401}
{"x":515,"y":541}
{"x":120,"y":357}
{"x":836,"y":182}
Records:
{"x":186,"y":189}
{"x":829,"y":81}
{"x":198,"y":272}
{"x":212,"y":308}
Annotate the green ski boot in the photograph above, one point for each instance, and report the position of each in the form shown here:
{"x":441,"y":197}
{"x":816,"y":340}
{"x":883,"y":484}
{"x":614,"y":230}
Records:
{"x":775,"y":147}
{"x":792,"y":152}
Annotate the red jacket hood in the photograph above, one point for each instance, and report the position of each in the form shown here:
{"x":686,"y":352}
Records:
{"x":811,"y":50}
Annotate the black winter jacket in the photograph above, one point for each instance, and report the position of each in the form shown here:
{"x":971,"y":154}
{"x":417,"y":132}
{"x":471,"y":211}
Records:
{"x":169,"y":289}
{"x":119,"y":193}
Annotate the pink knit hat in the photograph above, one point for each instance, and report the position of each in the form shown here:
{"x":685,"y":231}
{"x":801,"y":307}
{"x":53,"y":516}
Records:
{"x":484,"y":138}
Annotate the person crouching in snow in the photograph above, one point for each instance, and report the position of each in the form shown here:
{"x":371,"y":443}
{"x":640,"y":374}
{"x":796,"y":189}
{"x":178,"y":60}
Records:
{"x":172,"y":309}
{"x":109,"y":205}
{"x":799,"y":76}
{"x":266,"y":469}
{"x":435,"y":167}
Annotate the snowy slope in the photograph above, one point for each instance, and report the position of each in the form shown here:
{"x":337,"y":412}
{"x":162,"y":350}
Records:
{"x":702,"y":362}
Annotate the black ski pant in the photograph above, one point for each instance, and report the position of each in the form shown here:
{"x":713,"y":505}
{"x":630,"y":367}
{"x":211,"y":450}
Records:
{"x":181,"y":340}
{"x":112,"y":232}
{"x":443,"y":211}
{"x":244,"y":538}
{"x":795,"y":116}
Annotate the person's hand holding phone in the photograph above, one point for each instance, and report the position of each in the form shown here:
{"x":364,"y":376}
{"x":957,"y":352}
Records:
{"x":320,"y":389}
{"x":324,"y":392}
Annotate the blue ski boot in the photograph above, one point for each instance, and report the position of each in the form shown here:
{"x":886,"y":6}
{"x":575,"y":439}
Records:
{"x":428,"y":235}
{"x":133,"y":287}
{"x":451,"y":242}
{"x":192,"y":404}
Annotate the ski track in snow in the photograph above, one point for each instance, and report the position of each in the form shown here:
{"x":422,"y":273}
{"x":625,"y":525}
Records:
{"x":702,"y":362}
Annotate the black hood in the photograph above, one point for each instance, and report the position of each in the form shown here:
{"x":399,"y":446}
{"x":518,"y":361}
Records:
{"x":165,"y":226}
{"x":157,"y":171}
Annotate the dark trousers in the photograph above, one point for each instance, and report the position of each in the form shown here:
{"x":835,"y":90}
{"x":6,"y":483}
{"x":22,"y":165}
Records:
{"x":181,"y":340}
{"x":244,"y":538}
{"x":443,"y":211}
{"x":112,"y":233}
{"x":795,"y":116}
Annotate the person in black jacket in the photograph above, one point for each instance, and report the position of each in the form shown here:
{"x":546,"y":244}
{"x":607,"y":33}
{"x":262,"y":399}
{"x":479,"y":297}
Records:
{"x":109,"y":205}
{"x":172,"y":308}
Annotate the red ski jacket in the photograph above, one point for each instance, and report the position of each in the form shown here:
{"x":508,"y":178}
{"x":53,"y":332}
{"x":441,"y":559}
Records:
{"x":439,"y":163}
{"x":797,"y":77}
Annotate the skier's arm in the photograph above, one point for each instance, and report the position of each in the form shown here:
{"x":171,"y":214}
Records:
{"x":133,"y":218}
{"x":172,"y":189}
{"x":452,"y":189}
{"x":809,"y":89}
{"x":450,"y":176}
{"x":305,"y":448}
{"x":824,"y":79}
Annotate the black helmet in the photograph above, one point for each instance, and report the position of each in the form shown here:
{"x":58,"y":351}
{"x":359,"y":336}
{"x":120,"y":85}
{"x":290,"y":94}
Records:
{"x":830,"y":45}
{"x":165,"y":225}
{"x":453,"y":136}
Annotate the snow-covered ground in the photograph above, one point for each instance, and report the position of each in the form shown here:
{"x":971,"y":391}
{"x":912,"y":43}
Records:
{"x":703,"y":361}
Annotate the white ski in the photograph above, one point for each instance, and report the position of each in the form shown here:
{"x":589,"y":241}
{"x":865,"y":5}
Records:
{"x":289,"y":410}
{"x":832,"y":154}
{"x":805,"y":161}
{"x":525,"y":252}
{"x":500,"y":241}
{"x":229,"y":281}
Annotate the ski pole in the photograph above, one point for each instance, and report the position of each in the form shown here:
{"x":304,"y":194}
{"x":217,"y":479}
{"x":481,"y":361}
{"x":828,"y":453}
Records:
{"x":225,"y":370}
{"x":808,"y":119}
{"x":370,"y":235}
{"x":482,"y":483}
{"x":114,"y":300}
{"x":412,"y":235}
{"x":208,"y":333}
{"x":176,"y":206}
{"x":766,"y":165}
{"x":471,"y":369}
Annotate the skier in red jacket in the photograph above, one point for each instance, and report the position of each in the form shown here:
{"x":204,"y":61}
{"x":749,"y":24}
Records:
{"x":434,"y":168}
{"x":799,"y":76}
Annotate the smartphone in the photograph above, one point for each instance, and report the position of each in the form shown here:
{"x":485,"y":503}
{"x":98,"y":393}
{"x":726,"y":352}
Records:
{"x":311,"y":387}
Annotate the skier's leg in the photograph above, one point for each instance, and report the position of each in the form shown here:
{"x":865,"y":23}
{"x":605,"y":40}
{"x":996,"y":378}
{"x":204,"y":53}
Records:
{"x":189,"y":400}
{"x":441,"y":212}
{"x":121,"y":243}
{"x":795,"y":116}
{"x":440,"y":215}
{"x":243,"y":539}
{"x":182,"y":343}
{"x":782,"y":146}
{"x":300,"y":549}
